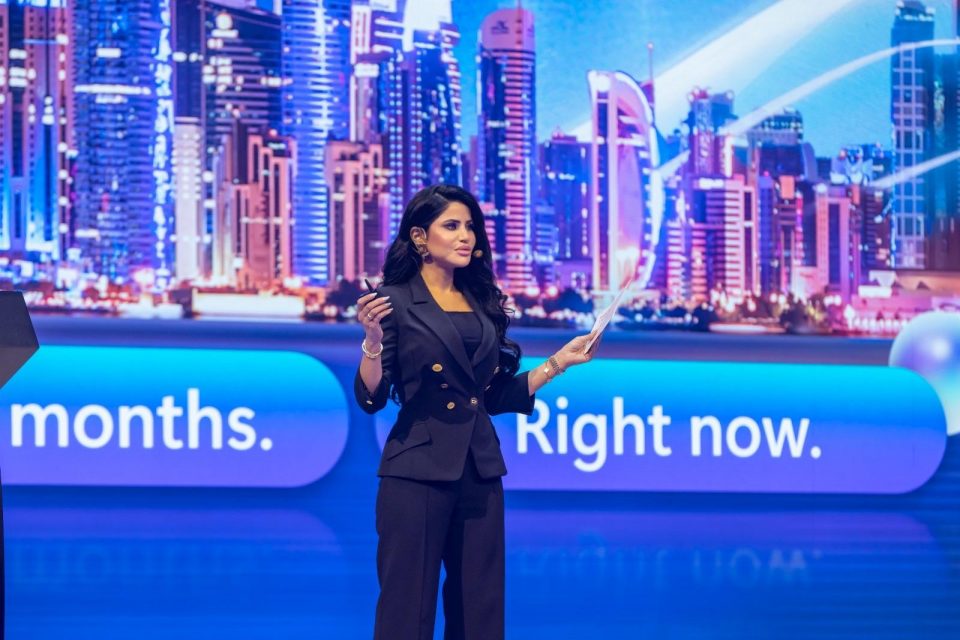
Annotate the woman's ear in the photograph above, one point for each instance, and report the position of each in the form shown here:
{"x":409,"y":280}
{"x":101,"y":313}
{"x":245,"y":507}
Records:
{"x":418,"y":234}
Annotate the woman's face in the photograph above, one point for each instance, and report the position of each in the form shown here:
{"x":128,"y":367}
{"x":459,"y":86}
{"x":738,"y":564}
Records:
{"x":451,"y":237}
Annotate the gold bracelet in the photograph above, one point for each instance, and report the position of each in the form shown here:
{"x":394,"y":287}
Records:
{"x":552,"y":364}
{"x":556,"y":365}
{"x":546,"y":372}
{"x":372,"y":356}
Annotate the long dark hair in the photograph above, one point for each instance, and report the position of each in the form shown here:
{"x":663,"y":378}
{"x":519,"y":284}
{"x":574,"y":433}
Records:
{"x":404,"y":262}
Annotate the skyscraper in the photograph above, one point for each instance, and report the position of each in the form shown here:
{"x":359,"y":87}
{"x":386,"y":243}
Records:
{"x":912,"y":74}
{"x":192,"y":261}
{"x":36,"y":117}
{"x":875,"y":231}
{"x":780,"y":227}
{"x":376,"y":35}
{"x":242,"y":74}
{"x":628,"y":200}
{"x":723,"y":236}
{"x":565,"y":185}
{"x":507,"y":138}
{"x":544,"y":231}
{"x":189,"y":143}
{"x":945,"y":244}
{"x":943,"y":209}
{"x":405,"y":105}
{"x":709,"y":150}
{"x":784,"y":128}
{"x":842,"y":206}
{"x":358,"y":199}
{"x":254,"y":174}
{"x":420,"y":90}
{"x":124,"y":136}
{"x":776,"y":147}
{"x":316,"y":61}
{"x":228,"y":62}
{"x":672,"y":269}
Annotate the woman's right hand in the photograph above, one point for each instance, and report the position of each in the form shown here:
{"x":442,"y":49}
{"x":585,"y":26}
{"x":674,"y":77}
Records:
{"x":370,"y":311}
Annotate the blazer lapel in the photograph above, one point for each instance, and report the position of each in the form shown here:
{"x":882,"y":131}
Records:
{"x":426,"y":309}
{"x":489,"y":336}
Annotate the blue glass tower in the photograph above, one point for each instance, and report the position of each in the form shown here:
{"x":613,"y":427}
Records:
{"x":35,"y":122}
{"x":421,"y":87}
{"x":565,"y":186}
{"x":911,"y":110}
{"x":316,"y":63}
{"x":242,"y":80}
{"x":124,"y":136}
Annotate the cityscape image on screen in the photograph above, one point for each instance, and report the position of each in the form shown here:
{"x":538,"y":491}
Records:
{"x":209,"y":158}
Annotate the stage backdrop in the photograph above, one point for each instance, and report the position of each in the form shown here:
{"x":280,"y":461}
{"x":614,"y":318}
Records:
{"x":766,"y":445}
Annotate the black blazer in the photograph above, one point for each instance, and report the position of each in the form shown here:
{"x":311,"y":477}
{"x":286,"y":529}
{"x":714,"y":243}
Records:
{"x":446,"y":399}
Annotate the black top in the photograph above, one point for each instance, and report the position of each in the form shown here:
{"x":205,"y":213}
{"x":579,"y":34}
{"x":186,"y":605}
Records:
{"x":468,"y":324}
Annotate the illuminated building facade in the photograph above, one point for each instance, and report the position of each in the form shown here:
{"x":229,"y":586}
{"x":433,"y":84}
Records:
{"x":912,"y":75}
{"x":316,"y":62}
{"x":506,"y":108}
{"x":255,"y":179}
{"x":358,"y":203}
{"x":124,"y":123}
{"x":36,"y":120}
{"x":628,"y":200}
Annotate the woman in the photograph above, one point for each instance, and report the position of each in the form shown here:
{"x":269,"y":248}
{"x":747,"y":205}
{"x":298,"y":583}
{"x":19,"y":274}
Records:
{"x":436,"y":337}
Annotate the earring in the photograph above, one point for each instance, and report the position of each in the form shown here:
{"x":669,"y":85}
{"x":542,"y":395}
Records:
{"x":422,"y":250}
{"x":478,"y":253}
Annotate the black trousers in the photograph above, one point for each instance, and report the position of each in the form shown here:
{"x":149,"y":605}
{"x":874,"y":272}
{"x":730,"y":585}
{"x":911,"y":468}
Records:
{"x":420,"y":525}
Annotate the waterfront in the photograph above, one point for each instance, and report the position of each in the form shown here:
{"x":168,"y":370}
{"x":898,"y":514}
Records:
{"x":340,"y":343}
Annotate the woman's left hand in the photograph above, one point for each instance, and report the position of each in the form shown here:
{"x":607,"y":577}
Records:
{"x":572,"y":353}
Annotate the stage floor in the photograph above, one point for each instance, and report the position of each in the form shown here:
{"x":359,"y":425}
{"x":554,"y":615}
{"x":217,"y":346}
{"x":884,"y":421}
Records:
{"x":129,"y":564}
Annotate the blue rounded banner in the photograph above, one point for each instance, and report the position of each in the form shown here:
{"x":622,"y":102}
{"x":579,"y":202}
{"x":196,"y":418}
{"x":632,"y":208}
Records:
{"x":740,"y":427}
{"x":171,"y":417}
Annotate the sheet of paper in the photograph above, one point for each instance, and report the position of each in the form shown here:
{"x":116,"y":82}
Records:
{"x":605,"y":316}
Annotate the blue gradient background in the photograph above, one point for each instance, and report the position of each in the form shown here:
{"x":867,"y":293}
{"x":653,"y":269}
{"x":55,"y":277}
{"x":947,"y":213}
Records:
{"x":853,"y":111}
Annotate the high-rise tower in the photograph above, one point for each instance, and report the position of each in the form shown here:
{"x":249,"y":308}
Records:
{"x":124,"y":136}
{"x":507,"y":146}
{"x":912,"y":74}
{"x":628,"y":200}
{"x":316,"y":62}
{"x":36,"y":116}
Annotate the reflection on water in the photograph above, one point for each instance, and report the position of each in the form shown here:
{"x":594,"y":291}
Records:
{"x":118,"y":573}
{"x":772,"y":574}
{"x":100,"y":572}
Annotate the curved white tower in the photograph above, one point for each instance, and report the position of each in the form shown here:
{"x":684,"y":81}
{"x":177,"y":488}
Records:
{"x":627,"y":209}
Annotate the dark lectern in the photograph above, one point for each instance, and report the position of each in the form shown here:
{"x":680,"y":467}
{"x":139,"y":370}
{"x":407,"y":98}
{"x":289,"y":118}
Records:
{"x":17,"y":343}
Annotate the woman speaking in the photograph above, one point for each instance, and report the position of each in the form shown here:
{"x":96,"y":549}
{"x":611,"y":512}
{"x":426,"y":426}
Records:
{"x":436,"y":343}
